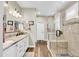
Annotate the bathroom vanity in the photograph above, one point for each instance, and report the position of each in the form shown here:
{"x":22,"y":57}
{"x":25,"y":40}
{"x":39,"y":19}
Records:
{"x":15,"y":46}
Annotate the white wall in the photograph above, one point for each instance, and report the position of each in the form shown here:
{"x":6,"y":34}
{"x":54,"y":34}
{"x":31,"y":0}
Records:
{"x":57,"y":21}
{"x":29,"y":14}
{"x":51,"y":24}
{"x":1,"y":27}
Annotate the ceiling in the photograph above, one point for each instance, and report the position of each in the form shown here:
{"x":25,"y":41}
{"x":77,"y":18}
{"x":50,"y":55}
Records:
{"x":46,"y":8}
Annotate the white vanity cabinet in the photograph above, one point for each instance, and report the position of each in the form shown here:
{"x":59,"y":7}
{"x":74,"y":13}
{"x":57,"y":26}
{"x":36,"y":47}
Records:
{"x":22,"y":46}
{"x":72,"y":12}
{"x":10,"y":52}
{"x":17,"y":49}
{"x":26,"y":43}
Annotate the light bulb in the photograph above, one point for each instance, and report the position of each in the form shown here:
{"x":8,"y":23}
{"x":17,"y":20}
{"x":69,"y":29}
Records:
{"x":20,"y":15}
{"x":10,"y":12}
{"x":13,"y":14}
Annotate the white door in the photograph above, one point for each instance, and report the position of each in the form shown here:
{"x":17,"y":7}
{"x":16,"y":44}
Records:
{"x":40,"y":31}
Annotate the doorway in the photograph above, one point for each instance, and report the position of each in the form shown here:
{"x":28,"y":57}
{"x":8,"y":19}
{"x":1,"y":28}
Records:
{"x":40,"y":31}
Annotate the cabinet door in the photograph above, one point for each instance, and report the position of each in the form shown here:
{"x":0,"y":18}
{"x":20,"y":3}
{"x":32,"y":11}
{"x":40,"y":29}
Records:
{"x":19,"y":48}
{"x":21,"y":45}
{"x":10,"y":52}
{"x":26,"y":42}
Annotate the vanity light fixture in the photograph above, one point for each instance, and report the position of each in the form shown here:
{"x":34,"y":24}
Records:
{"x":15,"y":13}
{"x":18,"y":14}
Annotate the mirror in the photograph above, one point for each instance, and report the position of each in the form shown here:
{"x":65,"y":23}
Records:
{"x":14,"y":26}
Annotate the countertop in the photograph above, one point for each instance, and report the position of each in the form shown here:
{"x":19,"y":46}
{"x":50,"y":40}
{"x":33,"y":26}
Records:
{"x":11,"y":41}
